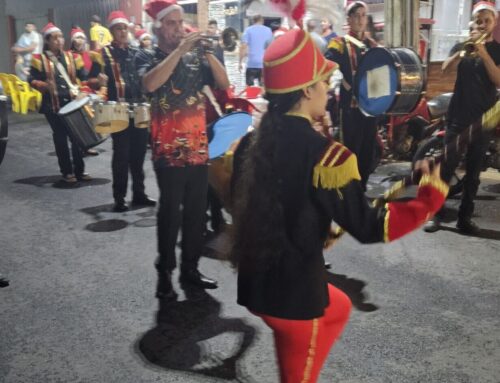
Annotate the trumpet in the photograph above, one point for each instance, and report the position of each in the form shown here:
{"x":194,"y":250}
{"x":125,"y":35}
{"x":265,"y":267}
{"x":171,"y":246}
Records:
{"x":469,"y":49}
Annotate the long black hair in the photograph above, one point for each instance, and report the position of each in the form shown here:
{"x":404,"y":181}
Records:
{"x":259,"y":236}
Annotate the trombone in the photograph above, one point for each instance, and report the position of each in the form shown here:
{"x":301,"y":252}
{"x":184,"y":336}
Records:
{"x":469,"y":49}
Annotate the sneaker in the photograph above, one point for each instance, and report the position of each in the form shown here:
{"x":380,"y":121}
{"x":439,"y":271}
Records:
{"x":467,"y":226}
{"x":432,"y":225}
{"x":120,"y":207}
{"x":84,"y":177}
{"x":69,"y":178}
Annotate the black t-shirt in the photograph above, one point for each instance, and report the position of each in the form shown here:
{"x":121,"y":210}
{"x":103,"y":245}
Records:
{"x":474,"y":92}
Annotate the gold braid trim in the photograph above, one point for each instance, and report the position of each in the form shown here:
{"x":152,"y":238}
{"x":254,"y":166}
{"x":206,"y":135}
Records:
{"x":386,"y":223}
{"x":491,"y":118}
{"x":436,"y":183}
{"x":336,"y":44}
{"x":312,"y":352}
{"x":336,"y":176}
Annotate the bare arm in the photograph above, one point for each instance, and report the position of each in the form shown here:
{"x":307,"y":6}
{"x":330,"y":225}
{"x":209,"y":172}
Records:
{"x":29,"y":49}
{"x":218,"y":71}
{"x":451,"y":63}
{"x":157,"y":76}
{"x":243,"y":54}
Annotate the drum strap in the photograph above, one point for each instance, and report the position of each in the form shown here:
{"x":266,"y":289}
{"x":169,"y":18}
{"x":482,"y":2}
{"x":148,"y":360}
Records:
{"x":115,"y":68}
{"x":49,"y":70}
{"x":60,"y":68}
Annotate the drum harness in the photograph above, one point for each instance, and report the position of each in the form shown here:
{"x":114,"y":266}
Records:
{"x":73,"y":89}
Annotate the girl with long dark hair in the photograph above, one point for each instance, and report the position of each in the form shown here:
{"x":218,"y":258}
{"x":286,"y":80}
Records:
{"x":291,"y":182}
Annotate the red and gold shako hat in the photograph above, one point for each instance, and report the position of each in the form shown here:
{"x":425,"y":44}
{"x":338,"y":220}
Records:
{"x":158,"y":9}
{"x":117,"y":17}
{"x":77,"y":32}
{"x":49,"y":28}
{"x":484,"y":5}
{"x":293,"y":62}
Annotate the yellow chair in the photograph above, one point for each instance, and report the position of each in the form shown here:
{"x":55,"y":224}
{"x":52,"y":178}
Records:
{"x":30,"y":98}
{"x":10,"y":89}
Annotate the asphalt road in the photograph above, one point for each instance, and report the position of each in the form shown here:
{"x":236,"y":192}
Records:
{"x":81,"y":306}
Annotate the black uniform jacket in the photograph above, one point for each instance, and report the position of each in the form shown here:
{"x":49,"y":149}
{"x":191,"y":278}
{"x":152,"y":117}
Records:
{"x":119,"y":65}
{"x":319,"y":182}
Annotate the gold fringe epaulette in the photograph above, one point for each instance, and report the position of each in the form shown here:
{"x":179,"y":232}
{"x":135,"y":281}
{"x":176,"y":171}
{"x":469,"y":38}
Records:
{"x":436,"y":183}
{"x":96,"y":57}
{"x":36,"y":62}
{"x":491,"y":119}
{"x":338,"y":166}
{"x":337,"y":44}
{"x":78,"y":61}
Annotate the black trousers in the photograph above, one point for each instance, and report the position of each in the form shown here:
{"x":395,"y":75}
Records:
{"x":359,"y":134}
{"x":129,"y":151}
{"x":474,"y":157}
{"x":60,"y":136}
{"x":252,"y":74}
{"x":186,"y":187}
{"x":215,"y":208}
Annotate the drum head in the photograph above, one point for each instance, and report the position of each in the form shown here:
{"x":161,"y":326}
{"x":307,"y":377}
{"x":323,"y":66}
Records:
{"x":73,"y":105}
{"x":223,"y":132}
{"x":376,"y":82}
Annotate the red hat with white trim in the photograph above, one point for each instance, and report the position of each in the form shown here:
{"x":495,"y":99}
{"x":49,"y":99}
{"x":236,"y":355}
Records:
{"x":354,"y":4}
{"x":158,"y":9}
{"x":49,"y":28}
{"x":484,"y":6}
{"x":77,"y":32}
{"x":142,"y":34}
{"x":294,"y":49}
{"x":117,"y":17}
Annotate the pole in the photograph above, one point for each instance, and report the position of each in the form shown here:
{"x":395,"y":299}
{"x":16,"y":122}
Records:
{"x":401,"y":26}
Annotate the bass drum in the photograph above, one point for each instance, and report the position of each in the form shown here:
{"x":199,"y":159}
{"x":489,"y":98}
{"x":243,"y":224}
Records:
{"x":78,"y":115}
{"x":227,"y":129}
{"x":389,"y":81}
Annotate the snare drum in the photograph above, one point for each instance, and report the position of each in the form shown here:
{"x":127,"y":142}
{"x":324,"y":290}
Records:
{"x":141,"y":115}
{"x":389,"y":81}
{"x":227,"y":129}
{"x":111,"y":117}
{"x":78,"y":115}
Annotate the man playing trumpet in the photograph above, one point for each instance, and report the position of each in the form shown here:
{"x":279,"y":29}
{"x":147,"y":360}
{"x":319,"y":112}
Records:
{"x":475,"y":92}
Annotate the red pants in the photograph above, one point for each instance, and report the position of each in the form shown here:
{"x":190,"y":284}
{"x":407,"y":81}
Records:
{"x":302,"y":346}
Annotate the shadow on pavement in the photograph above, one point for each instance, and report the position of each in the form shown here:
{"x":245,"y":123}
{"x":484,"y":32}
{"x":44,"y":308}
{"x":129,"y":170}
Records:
{"x":178,"y":341}
{"x":107,"y":226}
{"x":57,"y":182}
{"x":483,"y":233}
{"x":353,"y":288}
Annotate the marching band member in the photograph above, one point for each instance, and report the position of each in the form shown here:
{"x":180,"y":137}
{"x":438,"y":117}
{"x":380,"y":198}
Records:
{"x":116,"y":61}
{"x":475,"y":92}
{"x":174,"y":77}
{"x":145,"y":40}
{"x":294,"y":181}
{"x":358,"y":132}
{"x":55,"y":73}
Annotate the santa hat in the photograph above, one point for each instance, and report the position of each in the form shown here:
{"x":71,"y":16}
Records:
{"x":49,"y":28}
{"x":117,"y":17}
{"x":484,"y":5}
{"x":142,"y":34}
{"x":355,"y":4}
{"x":158,"y":9}
{"x":295,"y":49}
{"x":77,"y":32}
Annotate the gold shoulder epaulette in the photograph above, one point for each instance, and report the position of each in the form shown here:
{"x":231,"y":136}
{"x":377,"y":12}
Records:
{"x":337,"y":167}
{"x":36,"y":62}
{"x":96,"y":56}
{"x":337,"y":44}
{"x":78,"y":61}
